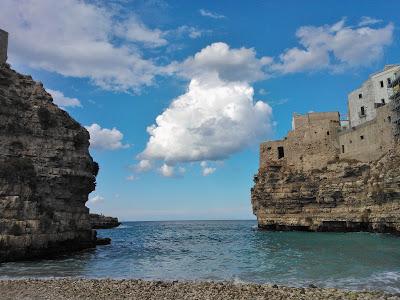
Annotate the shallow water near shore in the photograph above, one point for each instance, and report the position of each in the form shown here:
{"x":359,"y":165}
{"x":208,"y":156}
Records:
{"x":229,"y":250}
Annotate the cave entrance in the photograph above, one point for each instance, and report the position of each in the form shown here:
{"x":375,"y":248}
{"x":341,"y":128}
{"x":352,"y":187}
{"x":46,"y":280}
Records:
{"x":281,"y":152}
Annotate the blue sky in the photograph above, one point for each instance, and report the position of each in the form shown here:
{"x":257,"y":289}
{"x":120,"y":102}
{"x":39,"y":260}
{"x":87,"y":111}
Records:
{"x":215,"y":77}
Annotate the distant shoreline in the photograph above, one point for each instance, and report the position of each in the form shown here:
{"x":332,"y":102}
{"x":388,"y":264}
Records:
{"x":141,"y":289}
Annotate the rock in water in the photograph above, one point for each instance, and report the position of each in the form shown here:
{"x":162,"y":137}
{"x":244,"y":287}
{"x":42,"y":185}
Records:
{"x":103,"y":222}
{"x":46,"y":173}
{"x":346,"y":195}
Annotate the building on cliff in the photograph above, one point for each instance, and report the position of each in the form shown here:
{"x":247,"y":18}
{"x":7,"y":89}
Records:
{"x":332,"y":174}
{"x":46,"y":171}
{"x":373,"y":93}
{"x":317,"y":138}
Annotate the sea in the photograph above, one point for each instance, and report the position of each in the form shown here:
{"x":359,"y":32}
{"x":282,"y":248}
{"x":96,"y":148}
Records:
{"x":229,"y":251}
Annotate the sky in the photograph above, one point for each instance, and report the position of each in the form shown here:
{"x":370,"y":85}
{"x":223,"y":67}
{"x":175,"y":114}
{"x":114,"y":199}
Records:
{"x":177,"y":95}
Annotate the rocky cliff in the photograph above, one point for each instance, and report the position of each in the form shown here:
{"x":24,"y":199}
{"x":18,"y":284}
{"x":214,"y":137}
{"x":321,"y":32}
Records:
{"x":103,"y":222}
{"x":346,"y":195}
{"x":46,"y":173}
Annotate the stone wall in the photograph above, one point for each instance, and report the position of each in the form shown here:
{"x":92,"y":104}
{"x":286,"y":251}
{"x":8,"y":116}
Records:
{"x":46,"y":173}
{"x":3,"y":46}
{"x":310,"y":145}
{"x":370,"y":140}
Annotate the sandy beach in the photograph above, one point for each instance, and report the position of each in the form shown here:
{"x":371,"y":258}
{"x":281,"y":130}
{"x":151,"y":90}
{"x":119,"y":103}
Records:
{"x":140,"y":289}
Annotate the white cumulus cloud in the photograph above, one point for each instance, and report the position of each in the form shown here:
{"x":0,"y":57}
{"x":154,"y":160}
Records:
{"x":230,"y":64}
{"x":105,"y":139}
{"x":77,"y":38}
{"x":335,"y":47}
{"x":63,"y":101}
{"x":217,"y":115}
{"x":212,"y":120}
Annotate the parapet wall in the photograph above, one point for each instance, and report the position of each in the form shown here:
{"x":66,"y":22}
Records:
{"x":310,"y":145}
{"x":3,"y":46}
{"x":318,"y":139}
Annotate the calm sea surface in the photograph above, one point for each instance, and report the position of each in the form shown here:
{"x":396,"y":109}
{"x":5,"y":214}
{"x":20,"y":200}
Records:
{"x":230,"y":250}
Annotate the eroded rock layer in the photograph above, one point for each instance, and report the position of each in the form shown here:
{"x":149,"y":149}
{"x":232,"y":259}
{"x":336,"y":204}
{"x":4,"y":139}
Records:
{"x":346,"y":195}
{"x":46,"y":173}
{"x":103,"y":222}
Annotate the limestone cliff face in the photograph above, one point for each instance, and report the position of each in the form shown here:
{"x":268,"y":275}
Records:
{"x":346,"y":195}
{"x":46,"y":173}
{"x":103,"y":222}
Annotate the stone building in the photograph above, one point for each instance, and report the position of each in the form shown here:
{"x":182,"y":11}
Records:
{"x":373,"y":93}
{"x":3,"y":46}
{"x":319,"y":138}
{"x":333,"y":175}
{"x":311,"y":143}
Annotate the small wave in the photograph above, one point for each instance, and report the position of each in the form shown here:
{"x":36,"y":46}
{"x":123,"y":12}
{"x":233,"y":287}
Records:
{"x":387,"y":281}
{"x":123,"y":226}
{"x":236,"y":280}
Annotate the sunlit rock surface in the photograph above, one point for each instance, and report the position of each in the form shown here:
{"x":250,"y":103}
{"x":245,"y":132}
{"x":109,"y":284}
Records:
{"x":346,"y":195}
{"x":46,"y":173}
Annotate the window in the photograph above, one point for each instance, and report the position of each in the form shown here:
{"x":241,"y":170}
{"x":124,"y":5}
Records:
{"x":389,"y":81}
{"x":362,"y":111}
{"x":359,"y":96}
{"x":281,"y":152}
{"x":390,"y":119}
{"x":361,"y":137}
{"x":381,"y":83}
{"x":342,"y":148}
{"x":383,"y":101}
{"x":269,"y":148}
{"x":327,"y":133}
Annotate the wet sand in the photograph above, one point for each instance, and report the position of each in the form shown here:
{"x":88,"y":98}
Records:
{"x":140,"y":289}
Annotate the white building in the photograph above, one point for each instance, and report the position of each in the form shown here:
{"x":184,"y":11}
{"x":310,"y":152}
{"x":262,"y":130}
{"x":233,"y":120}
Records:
{"x":373,"y":93}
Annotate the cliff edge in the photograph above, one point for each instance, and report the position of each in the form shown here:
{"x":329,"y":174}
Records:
{"x":46,"y":173}
{"x":102,"y":222}
{"x":346,"y":195}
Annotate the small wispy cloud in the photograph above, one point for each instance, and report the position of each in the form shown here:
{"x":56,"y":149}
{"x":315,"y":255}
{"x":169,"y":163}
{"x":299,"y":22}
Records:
{"x":206,"y":169}
{"x":96,"y":199}
{"x":131,"y":178}
{"x":368,"y":21}
{"x":210,"y":14}
{"x":63,"y":101}
{"x":262,"y":91}
{"x":278,"y":102}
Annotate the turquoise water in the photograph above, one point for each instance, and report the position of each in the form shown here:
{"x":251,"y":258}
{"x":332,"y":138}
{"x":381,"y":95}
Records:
{"x":230,"y":250}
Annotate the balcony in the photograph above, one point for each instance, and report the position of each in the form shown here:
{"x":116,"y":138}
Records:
{"x":362,"y":114}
